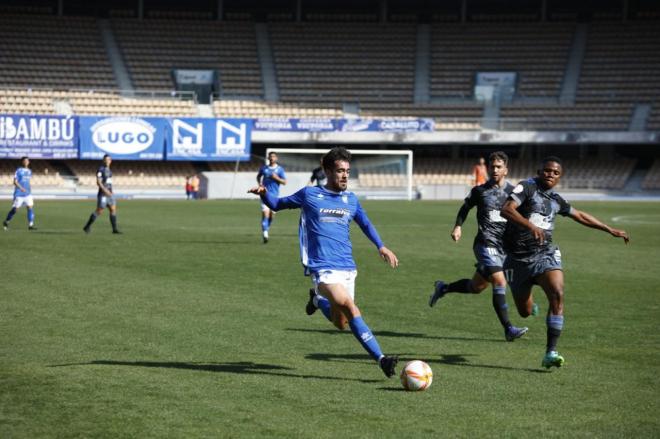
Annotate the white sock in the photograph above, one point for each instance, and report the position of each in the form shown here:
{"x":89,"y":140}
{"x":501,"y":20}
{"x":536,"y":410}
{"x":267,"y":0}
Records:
{"x":265,"y":233}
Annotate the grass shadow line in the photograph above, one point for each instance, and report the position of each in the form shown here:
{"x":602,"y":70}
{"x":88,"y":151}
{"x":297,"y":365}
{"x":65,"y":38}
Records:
{"x":397,"y":334}
{"x":240,"y":367}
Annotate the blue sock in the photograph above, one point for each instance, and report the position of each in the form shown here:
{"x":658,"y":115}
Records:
{"x":11,"y":213}
{"x":264,"y":224}
{"x":366,"y":338}
{"x":30,"y":216}
{"x":555,"y":325}
{"x":324,"y":305}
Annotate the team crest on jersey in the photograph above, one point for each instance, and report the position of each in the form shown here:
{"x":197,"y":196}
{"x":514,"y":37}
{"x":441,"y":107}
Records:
{"x":344,"y":198}
{"x":319,"y":196}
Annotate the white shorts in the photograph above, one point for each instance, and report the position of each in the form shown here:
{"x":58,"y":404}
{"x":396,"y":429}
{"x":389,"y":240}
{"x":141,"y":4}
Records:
{"x":343,"y":277}
{"x":19,"y":201}
{"x":265,"y":208}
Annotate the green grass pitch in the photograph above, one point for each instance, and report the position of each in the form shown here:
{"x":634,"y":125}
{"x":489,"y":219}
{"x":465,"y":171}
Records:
{"x":188,"y":326}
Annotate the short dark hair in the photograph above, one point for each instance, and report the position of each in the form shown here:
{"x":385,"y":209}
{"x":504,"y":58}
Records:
{"x":336,"y":153}
{"x":551,"y":158}
{"x":271,"y":153}
{"x":106,"y":155}
{"x":498,"y":155}
{"x":25,"y":157}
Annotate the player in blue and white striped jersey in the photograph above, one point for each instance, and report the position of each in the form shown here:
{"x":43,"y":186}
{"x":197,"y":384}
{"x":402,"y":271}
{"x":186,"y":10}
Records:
{"x":22,"y":194}
{"x":326,"y":250}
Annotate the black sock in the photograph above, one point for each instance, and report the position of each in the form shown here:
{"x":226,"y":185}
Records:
{"x":555,"y":325}
{"x":500,"y":306}
{"x":91,"y":220}
{"x":460,"y":286}
{"x":113,"y":221}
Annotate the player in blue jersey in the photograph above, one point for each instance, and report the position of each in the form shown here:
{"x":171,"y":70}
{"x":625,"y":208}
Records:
{"x":105,"y":197}
{"x":22,"y":194}
{"x":326,"y":250}
{"x":532,"y":258}
{"x":270,"y":176}
{"x":488,"y":199}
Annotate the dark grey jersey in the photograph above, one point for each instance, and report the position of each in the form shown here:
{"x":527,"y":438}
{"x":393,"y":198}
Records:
{"x":540,"y":207}
{"x":105,"y":174}
{"x":489,"y":199}
{"x":318,"y":176}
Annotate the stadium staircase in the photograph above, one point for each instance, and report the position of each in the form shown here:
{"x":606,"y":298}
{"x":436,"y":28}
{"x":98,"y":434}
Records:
{"x":205,"y":110}
{"x":423,"y":65}
{"x":267,"y":64}
{"x":69,"y":177}
{"x":634,"y":182}
{"x":114,"y":55}
{"x":639,"y":118}
{"x":571,"y":78}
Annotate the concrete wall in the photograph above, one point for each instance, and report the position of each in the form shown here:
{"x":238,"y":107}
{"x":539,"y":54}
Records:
{"x":229,"y":185}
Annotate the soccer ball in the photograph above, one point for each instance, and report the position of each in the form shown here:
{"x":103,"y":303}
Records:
{"x":416,"y":375}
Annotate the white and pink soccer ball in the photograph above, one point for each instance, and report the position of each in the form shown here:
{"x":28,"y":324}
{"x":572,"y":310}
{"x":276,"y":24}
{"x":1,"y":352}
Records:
{"x":416,"y":375}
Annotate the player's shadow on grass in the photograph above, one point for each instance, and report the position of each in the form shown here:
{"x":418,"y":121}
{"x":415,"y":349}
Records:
{"x":446,"y":359}
{"x":217,"y":242}
{"x":239,"y":367}
{"x":58,"y":232}
{"x":396,"y":334}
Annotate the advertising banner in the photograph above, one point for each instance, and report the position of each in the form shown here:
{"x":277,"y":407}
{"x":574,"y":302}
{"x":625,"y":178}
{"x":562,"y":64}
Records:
{"x":386,"y":125}
{"x":38,"y":137}
{"x":124,"y":138}
{"x":294,"y":125}
{"x":278,"y":124}
{"x":209,"y":139}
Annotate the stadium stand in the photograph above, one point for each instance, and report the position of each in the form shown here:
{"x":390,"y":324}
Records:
{"x":580,"y":174}
{"x":621,"y":64}
{"x":134,"y":174}
{"x":43,"y":174}
{"x":244,"y":108}
{"x":620,"y":69}
{"x":27,"y":101}
{"x":652,"y":179}
{"x":344,"y":62}
{"x":250,"y":166}
{"x":654,"y":118}
{"x":536,"y":51}
{"x":108,"y":103}
{"x":91,"y":102}
{"x":152,"y":48}
{"x":28,"y":58}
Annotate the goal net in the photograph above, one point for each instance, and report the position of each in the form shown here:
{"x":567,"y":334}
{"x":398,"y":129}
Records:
{"x":375,"y":174}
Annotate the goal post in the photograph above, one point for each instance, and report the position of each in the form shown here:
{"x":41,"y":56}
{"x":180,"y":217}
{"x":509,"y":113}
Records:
{"x":375,"y":173}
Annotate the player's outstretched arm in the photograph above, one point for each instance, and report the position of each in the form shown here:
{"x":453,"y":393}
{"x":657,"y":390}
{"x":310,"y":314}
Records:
{"x":456,"y":233}
{"x":388,"y":256}
{"x":510,"y":213}
{"x":591,"y":221}
{"x":258,"y":190}
{"x":291,"y":202}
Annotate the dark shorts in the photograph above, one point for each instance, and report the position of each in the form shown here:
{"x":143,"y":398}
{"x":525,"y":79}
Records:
{"x":489,"y":260}
{"x":520,"y":274}
{"x":103,"y":201}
